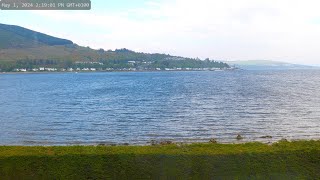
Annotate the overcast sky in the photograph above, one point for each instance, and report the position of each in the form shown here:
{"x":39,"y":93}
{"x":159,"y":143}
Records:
{"x":283,"y":30}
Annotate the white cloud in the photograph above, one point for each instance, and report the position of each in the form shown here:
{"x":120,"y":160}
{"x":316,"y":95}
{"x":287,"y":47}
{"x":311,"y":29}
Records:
{"x":228,"y":29}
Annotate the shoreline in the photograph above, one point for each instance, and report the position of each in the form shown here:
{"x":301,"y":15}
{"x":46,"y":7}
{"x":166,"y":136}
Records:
{"x":164,"y":144}
{"x":76,"y":72}
{"x":156,"y":143}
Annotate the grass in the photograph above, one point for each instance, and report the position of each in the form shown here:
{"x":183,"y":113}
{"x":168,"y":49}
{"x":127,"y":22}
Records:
{"x":283,"y":160}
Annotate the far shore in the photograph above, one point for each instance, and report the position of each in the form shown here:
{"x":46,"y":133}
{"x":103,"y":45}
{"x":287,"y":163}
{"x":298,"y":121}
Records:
{"x":75,"y":72}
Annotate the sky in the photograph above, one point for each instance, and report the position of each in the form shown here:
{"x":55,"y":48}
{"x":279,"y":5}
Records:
{"x":281,"y":30}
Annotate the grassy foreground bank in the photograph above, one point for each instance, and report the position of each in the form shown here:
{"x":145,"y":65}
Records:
{"x":283,"y":160}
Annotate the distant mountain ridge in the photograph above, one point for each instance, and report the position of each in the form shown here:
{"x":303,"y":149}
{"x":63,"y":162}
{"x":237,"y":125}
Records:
{"x":12,"y":36}
{"x":267,"y":65}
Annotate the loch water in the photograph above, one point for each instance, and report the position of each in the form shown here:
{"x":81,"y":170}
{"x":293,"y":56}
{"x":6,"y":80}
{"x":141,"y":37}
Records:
{"x":137,"y":107}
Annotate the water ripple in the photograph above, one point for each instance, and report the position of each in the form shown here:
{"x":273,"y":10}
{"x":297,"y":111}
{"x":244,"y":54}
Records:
{"x":111,"y":108}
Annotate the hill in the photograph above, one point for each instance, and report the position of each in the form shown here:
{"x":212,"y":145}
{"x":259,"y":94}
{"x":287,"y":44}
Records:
{"x":267,"y":65}
{"x":27,"y":49}
{"x":18,"y":37}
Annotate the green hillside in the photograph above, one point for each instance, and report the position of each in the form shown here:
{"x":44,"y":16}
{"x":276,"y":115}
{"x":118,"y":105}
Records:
{"x":18,"y":37}
{"x":23,"y":48}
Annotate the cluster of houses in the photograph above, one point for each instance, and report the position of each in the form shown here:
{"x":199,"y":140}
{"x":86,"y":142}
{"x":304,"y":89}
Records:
{"x":54,"y":69}
{"x":135,"y":62}
{"x":85,"y":62}
{"x":192,"y":69}
{"x":43,"y":69}
{"x":82,"y":68}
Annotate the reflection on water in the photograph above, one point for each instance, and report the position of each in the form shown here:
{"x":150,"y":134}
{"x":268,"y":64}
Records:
{"x":91,"y":108}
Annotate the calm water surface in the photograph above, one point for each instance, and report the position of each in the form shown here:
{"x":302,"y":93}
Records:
{"x":92,"y":108}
